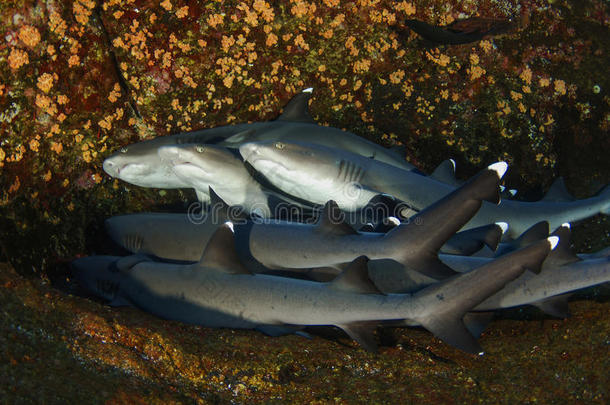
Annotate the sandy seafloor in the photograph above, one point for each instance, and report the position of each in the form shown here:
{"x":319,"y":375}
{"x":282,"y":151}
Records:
{"x":78,"y":81}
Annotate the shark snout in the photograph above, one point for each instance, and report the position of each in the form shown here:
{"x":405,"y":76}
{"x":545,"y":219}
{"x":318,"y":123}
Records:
{"x":111,"y":168}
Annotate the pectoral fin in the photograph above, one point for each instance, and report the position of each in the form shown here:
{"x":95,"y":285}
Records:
{"x":363,"y":333}
{"x":555,"y":306}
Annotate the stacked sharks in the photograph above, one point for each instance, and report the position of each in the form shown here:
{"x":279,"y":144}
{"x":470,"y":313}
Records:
{"x":252,"y":269}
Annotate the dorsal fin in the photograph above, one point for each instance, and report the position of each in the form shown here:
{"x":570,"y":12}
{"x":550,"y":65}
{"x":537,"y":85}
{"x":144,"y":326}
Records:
{"x":220,"y":253}
{"x":558,"y":192}
{"x":332,"y":220}
{"x":539,"y":230}
{"x":562,"y":254}
{"x":297,"y":109}
{"x":355,"y":278}
{"x":445,"y":172}
{"x":536,"y":232}
{"x":239,"y":137}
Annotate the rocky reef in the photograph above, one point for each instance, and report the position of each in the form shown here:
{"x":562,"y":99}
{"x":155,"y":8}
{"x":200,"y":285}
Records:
{"x":59,"y":347}
{"x":80,"y":79}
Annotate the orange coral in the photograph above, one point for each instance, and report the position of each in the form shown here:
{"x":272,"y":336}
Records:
{"x":182,"y":12}
{"x":29,"y":36}
{"x":560,"y":87}
{"x":17,"y":58}
{"x":167,"y":5}
{"x":45,"y":82}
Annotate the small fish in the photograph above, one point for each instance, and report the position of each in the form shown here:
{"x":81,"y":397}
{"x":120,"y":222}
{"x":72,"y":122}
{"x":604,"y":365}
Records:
{"x":461,"y":31}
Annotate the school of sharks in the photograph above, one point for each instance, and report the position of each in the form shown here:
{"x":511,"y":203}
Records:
{"x":303,"y":224}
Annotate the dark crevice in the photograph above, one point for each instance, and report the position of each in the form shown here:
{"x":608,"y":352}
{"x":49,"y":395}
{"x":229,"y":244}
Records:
{"x":115,"y":63}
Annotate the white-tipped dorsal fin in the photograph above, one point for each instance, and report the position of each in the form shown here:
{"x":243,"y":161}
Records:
{"x":445,"y":172}
{"x":553,"y":241}
{"x":332,"y":220}
{"x":566,"y":225}
{"x":220,"y":253}
{"x":297,"y":109}
{"x":499,"y":167}
{"x":503,"y":226}
{"x":355,"y":278}
{"x":562,"y":253}
{"x":394,"y":221}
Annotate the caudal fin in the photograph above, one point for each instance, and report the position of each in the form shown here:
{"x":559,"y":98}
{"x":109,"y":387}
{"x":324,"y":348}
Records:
{"x":445,"y":304}
{"x":416,"y":244}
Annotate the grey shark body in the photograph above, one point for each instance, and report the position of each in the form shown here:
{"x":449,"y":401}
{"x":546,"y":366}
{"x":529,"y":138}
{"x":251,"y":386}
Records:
{"x":562,"y":272}
{"x":176,"y":237}
{"x":219,"y":292}
{"x":332,"y":242}
{"x":165,"y":235}
{"x":141,"y":165}
{"x":216,"y":167}
{"x":311,"y":172}
{"x":183,"y":237}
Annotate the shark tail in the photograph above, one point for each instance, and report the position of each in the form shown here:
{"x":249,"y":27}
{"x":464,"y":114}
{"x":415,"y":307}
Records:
{"x":416,"y":245}
{"x":445,"y":304}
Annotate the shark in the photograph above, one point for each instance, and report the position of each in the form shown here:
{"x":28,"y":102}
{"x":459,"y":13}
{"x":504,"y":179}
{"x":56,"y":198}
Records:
{"x":219,"y":291}
{"x":140,"y":164}
{"x":183,"y":237}
{"x":561,"y":273}
{"x":331,"y":242}
{"x":316,"y":173}
{"x":211,"y":166}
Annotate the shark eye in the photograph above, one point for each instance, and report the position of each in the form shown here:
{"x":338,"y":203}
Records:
{"x":200,"y":149}
{"x":123,"y":150}
{"x":279,"y":145}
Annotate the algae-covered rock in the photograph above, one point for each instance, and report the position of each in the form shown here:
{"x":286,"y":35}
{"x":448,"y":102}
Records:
{"x":79,"y":79}
{"x":58,"y":347}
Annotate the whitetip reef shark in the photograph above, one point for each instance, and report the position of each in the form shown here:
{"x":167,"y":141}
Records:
{"x":332,"y":242}
{"x":562,"y":272}
{"x":317,"y":173}
{"x":140,"y":164}
{"x":218,"y":291}
{"x":175,"y":237}
{"x":210,"y":166}
{"x":183,"y":237}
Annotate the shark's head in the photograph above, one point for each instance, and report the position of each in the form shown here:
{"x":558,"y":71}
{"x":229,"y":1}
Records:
{"x":311,"y":172}
{"x":203,"y":166}
{"x":289,"y":159}
{"x":139,"y":164}
{"x":98,"y":276}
